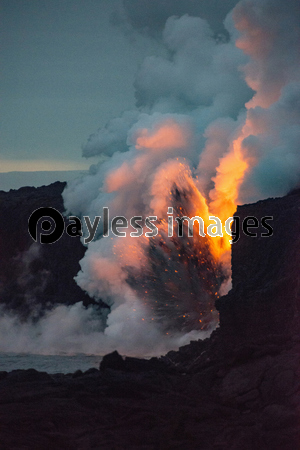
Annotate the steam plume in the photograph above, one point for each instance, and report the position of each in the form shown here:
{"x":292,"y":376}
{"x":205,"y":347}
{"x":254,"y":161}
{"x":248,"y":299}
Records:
{"x":216,"y":124}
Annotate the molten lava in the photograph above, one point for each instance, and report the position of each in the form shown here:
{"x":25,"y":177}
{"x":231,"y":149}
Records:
{"x":176,"y":279}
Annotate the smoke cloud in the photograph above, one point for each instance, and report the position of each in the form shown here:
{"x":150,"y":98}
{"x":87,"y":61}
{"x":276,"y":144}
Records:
{"x":151,"y":16}
{"x":75,"y":329}
{"x":216,"y":124}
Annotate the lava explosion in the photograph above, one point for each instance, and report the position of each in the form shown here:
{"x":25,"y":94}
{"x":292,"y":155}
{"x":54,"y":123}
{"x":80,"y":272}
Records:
{"x":176,"y":280}
{"x":182,"y":278}
{"x":216,"y":125}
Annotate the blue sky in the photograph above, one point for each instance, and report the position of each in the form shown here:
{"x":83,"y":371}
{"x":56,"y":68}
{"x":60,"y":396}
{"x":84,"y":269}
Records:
{"x":66,"y":70}
{"x":68,"y":67}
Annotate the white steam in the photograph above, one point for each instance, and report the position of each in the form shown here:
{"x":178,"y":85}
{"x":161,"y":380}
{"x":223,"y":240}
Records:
{"x":211,"y":91}
{"x":75,"y":329}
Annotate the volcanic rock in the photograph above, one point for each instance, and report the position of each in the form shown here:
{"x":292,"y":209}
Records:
{"x":237,"y":390}
{"x":33,"y":276}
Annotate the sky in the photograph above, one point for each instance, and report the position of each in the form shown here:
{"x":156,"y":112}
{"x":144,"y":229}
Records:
{"x":66,"y":70}
{"x":68,"y":67}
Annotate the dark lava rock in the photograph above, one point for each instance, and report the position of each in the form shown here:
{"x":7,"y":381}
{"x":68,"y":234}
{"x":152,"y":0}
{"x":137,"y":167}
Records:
{"x":112,"y":361}
{"x":237,"y":390}
{"x":264,"y":299}
{"x":115,"y":361}
{"x":35,"y":276}
{"x":28,"y":375}
{"x":91,"y":371}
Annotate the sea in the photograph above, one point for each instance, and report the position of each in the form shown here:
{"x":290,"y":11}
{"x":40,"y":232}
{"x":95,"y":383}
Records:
{"x":49,"y":363}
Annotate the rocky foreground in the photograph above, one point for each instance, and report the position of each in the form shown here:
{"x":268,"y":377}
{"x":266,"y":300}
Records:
{"x":238,"y":390}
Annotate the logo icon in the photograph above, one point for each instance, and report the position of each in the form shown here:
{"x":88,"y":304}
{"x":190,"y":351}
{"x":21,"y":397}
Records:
{"x":46,"y":225}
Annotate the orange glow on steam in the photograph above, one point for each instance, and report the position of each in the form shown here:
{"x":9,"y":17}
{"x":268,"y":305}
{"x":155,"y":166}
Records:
{"x":169,"y":135}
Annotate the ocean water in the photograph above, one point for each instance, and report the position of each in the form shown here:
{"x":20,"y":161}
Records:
{"x":48,"y":363}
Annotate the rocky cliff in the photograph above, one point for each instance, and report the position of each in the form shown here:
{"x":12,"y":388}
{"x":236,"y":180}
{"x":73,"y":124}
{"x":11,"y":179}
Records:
{"x":265,"y":299}
{"x":34,"y":276}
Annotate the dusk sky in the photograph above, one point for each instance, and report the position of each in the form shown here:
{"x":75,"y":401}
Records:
{"x":68,"y":66}
{"x":66,"y":71}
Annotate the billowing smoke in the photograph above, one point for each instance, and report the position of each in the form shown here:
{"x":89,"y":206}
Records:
{"x":76,"y":329}
{"x":30,"y":283}
{"x":216,"y":125}
{"x":150,"y":17}
{"x":270,"y":35}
